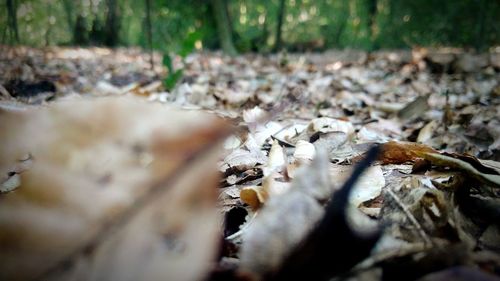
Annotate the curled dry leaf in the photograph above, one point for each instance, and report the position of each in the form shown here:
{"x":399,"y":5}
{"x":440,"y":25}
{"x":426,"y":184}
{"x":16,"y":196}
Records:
{"x":110,"y":194}
{"x":233,"y":142}
{"x":427,"y":131}
{"x":368,"y":187}
{"x":290,"y":132}
{"x":256,"y":196}
{"x":491,"y":164}
{"x":326,"y":124}
{"x":367,"y":135}
{"x":277,"y":228}
{"x":235,"y":98}
{"x":12,"y":182}
{"x":263,"y":132}
{"x":242,"y":160}
{"x":254,"y":116}
{"x":414,"y":108}
{"x":276,"y":161}
{"x":393,"y":152}
{"x":304,"y":151}
{"x":389,"y":107}
{"x":490,"y":179}
{"x":285,"y":220}
{"x":322,"y":254}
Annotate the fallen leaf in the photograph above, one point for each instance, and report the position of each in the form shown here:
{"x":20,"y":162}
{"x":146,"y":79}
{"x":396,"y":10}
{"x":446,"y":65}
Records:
{"x":304,"y":151}
{"x":427,"y":131}
{"x":12,"y":182}
{"x":284,"y":220}
{"x":254,"y":196}
{"x":447,"y":161}
{"x":393,"y":152}
{"x":414,"y":108}
{"x":276,"y":160}
{"x":110,"y":193}
{"x":326,"y":124}
{"x":368,"y":187}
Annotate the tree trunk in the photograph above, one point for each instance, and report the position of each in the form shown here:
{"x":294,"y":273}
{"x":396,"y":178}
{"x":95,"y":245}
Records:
{"x":372,"y":21}
{"x":68,"y":9}
{"x":80,"y":31}
{"x":97,"y":35}
{"x":279,"y":26}
{"x":480,"y":30}
{"x":112,"y":28}
{"x":49,"y":24}
{"x":332,"y":31}
{"x":339,"y":32}
{"x":12,"y":19}
{"x":224,"y":28}
{"x":4,"y":35}
{"x":372,"y":15}
{"x":149,"y":31}
{"x":262,"y":40}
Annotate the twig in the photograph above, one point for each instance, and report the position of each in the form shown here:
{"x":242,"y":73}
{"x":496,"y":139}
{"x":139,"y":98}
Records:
{"x":410,"y":216}
{"x":282,"y":142}
{"x":374,"y":260}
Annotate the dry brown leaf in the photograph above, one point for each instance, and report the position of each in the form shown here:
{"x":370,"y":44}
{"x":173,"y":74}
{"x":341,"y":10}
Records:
{"x":488,"y":177}
{"x":304,"y":151}
{"x":326,"y":124}
{"x":393,"y":152}
{"x":285,"y":220}
{"x":254,"y":196}
{"x":368,"y":187}
{"x":110,"y":194}
{"x":427,"y":131}
{"x":414,"y":108}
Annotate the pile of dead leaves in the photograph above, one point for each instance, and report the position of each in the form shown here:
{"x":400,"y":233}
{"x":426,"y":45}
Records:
{"x":93,"y":184}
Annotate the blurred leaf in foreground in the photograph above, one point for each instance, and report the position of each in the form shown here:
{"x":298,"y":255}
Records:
{"x":110,"y":192}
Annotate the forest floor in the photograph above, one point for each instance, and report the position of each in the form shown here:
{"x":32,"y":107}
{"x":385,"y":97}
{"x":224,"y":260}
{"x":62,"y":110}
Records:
{"x":300,"y":122}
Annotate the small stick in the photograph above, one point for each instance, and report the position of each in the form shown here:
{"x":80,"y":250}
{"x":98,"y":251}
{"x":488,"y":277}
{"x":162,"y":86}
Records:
{"x":412,"y":219}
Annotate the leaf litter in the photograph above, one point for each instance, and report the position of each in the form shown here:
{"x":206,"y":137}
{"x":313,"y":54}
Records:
{"x":91,"y":138}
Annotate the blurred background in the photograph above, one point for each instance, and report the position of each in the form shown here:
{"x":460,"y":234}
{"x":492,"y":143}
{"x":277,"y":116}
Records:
{"x":181,"y":26}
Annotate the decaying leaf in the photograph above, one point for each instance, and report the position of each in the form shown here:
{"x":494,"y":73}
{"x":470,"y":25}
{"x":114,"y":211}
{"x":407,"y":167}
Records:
{"x":304,"y":151}
{"x":368,"y":187}
{"x":110,"y":194}
{"x":414,"y":108}
{"x":115,"y":185}
{"x":491,"y":179}
{"x":334,"y":245}
{"x":254,"y":116}
{"x":427,"y":131}
{"x":284,"y":220}
{"x":276,"y":160}
{"x":11,"y":182}
{"x":325,"y":125}
{"x":400,"y":152}
{"x":256,"y":196}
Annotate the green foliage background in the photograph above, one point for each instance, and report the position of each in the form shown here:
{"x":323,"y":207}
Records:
{"x":308,"y":24}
